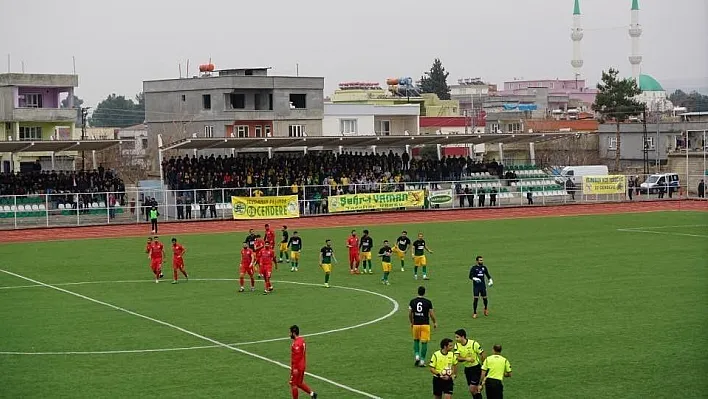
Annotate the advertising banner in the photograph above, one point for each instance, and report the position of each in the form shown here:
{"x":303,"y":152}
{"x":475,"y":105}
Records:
{"x":282,"y":207}
{"x":374,"y":201}
{"x":612,"y":184}
{"x":440,"y":197}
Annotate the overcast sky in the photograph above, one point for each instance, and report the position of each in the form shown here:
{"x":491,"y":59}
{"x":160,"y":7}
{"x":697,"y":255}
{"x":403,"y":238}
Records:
{"x":118,"y":44}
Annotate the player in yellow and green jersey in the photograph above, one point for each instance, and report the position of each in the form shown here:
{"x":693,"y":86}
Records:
{"x":419,"y":248}
{"x":295,"y":245}
{"x":470,"y":353}
{"x":385,"y":254}
{"x":326,"y":259}
{"x":402,"y":244}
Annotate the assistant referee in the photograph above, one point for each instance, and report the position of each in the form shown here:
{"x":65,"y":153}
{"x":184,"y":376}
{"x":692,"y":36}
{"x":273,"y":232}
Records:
{"x":470,"y":353}
{"x":494,"y":369}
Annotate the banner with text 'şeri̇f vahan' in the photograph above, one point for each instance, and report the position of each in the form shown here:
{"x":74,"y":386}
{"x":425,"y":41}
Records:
{"x":373,"y":201}
{"x":282,"y":207}
{"x":612,"y":184}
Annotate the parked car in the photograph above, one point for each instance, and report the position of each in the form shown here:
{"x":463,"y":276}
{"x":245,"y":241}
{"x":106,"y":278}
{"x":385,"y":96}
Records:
{"x":576,"y":173}
{"x":656,"y":182}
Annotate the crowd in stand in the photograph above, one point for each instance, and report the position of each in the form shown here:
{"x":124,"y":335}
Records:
{"x":313,"y":177}
{"x":62,"y":186}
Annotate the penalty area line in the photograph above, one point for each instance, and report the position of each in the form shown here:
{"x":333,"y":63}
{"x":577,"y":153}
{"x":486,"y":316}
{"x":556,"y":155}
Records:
{"x":196,"y":335}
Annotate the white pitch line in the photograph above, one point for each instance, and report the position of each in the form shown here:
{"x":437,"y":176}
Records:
{"x":666,"y":233}
{"x":396,"y":306}
{"x":202,"y":337}
{"x":664,"y":227}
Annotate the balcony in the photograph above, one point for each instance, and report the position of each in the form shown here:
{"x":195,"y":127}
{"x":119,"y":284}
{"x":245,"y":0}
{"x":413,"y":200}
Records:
{"x":44,"y":115}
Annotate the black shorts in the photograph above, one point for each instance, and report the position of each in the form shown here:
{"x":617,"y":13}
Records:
{"x":473,"y":374}
{"x":480,"y":290}
{"x":441,"y":386}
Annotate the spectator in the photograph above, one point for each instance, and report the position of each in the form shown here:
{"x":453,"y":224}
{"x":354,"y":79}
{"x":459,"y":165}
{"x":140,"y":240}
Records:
{"x":701,"y":189}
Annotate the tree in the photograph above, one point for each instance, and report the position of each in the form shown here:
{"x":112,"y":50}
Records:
{"x":694,"y":102}
{"x":118,"y":111}
{"x":435,"y":81}
{"x":616,"y":101}
{"x":77,"y":105}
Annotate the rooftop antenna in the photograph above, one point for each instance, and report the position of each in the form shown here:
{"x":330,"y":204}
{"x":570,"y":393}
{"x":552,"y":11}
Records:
{"x":187,"y":75}
{"x":180,"y":70}
{"x":23,"y":67}
{"x":8,"y":63}
{"x":297,"y":69}
{"x":73,"y":59}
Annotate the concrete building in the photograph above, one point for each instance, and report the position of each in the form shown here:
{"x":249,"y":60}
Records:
{"x":471,"y":94}
{"x":135,"y":149}
{"x":372,"y":93}
{"x":342,"y":119}
{"x":30,"y":111}
{"x":233,"y":103}
{"x":662,"y":140}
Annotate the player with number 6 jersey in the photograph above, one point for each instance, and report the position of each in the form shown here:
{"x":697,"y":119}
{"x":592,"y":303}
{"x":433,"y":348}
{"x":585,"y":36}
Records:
{"x":420,"y":313}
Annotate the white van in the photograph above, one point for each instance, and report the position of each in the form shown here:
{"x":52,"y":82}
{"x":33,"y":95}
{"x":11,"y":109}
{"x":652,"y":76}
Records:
{"x":576,"y":173}
{"x":658,"y":181}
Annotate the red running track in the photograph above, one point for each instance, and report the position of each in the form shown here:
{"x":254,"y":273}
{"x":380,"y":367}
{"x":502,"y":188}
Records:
{"x":325,"y":221}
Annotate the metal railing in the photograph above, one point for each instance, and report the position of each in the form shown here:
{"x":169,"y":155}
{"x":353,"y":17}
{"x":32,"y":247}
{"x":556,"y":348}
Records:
{"x":72,"y":209}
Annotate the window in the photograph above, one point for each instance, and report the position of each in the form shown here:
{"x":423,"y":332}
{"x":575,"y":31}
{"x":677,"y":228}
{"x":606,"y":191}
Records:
{"x":347,"y":126}
{"x":257,"y":101}
{"x":270,"y":102}
{"x":206,"y":101}
{"x":513,"y":127}
{"x":494,"y":128}
{"x":649,"y":143}
{"x":267,"y":130}
{"x":298,"y":101}
{"x":30,"y":133}
{"x":145,"y":144}
{"x":208,"y":131}
{"x":258,"y":131}
{"x":184,"y":98}
{"x":242,"y":131}
{"x":612,"y":143}
{"x":237,"y":100}
{"x":33,"y":100}
{"x":384,"y":128}
{"x":296,"y":130}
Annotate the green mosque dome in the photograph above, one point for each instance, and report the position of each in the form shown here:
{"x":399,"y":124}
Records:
{"x":648,"y":83}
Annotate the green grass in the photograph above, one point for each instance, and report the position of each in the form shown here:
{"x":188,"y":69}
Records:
{"x":582,"y":309}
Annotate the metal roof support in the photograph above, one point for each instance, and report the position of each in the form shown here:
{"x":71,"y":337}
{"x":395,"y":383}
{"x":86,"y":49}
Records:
{"x":176,"y":145}
{"x":532,"y":153}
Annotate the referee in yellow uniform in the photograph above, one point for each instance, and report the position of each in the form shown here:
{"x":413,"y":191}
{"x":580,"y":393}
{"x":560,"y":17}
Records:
{"x":443,"y":365}
{"x":494,"y":369}
{"x":470,"y":353}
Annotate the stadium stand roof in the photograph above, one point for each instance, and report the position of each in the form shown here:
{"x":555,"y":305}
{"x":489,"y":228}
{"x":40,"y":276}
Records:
{"x":242,"y":143}
{"x":58,"y":145}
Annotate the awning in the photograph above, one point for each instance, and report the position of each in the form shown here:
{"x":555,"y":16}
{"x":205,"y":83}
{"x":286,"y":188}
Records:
{"x":58,"y":145}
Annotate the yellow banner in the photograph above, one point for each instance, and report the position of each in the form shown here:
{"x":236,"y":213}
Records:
{"x":361,"y":202}
{"x":282,"y":207}
{"x":612,"y":184}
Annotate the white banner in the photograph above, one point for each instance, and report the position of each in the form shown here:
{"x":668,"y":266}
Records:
{"x":440,"y":197}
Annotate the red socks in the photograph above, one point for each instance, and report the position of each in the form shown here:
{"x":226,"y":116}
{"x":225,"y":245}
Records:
{"x":294,"y":391}
{"x":303,"y":386}
{"x":240,"y":281}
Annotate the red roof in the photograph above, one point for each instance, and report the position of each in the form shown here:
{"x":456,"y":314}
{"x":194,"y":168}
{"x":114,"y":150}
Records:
{"x":449,"y":121}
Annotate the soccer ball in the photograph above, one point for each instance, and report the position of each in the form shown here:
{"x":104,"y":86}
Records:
{"x":447,"y":372}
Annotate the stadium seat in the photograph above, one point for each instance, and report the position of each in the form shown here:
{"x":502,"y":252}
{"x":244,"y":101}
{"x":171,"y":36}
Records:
{"x":35,"y":207}
{"x":94,"y":205}
{"x":101,"y":205}
{"x":41,"y":207}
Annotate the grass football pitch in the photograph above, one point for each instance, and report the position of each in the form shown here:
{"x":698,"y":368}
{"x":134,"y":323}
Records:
{"x":585,"y":307}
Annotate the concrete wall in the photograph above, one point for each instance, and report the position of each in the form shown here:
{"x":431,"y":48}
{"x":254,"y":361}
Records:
{"x":632,"y":146}
{"x":331,"y":124}
{"x":38,"y":80}
{"x":697,"y":169}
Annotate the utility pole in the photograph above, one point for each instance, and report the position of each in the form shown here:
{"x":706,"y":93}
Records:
{"x":646,"y":143}
{"x":84,"y":117}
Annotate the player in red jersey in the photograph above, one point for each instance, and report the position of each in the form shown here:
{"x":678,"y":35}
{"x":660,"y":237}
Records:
{"x":270,"y":236}
{"x":298,"y":364}
{"x":266,"y":258}
{"x":178,"y":252}
{"x":248,"y":258}
{"x":258,"y":246}
{"x":157,"y":254}
{"x":353,"y":245}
